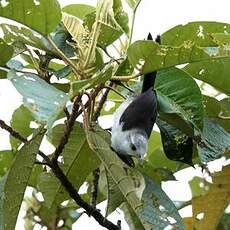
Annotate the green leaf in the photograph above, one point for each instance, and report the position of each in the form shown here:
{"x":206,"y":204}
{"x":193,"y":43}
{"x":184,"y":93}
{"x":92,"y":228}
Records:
{"x":16,"y":182}
{"x":22,"y":35}
{"x":6,"y":159}
{"x":78,"y":160}
{"x":21,"y":122}
{"x":199,"y":186}
{"x":198,"y":32}
{"x":121,"y":16}
{"x":129,"y":185}
{"x":110,"y":31}
{"x":42,"y":99}
{"x":215,"y":141}
{"x":3,"y":74}
{"x":218,"y":110}
{"x":179,"y":97}
{"x":28,"y":12}
{"x":14,"y":64}
{"x":125,"y":68}
{"x":177,"y":146}
{"x":208,"y":71}
{"x":79,"y":10}
{"x":6,"y":52}
{"x":148,"y":56}
{"x":100,"y":77}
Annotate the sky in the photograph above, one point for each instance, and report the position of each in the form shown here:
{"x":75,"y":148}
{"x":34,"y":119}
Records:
{"x":155,"y":17}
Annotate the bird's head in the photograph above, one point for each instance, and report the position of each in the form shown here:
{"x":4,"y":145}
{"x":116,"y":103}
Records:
{"x":138,"y":145}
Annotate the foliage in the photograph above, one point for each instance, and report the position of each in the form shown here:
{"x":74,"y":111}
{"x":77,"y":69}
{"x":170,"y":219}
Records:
{"x":71,"y":44}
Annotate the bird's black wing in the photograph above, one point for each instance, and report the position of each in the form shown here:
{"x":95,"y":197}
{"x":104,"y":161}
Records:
{"x":141,"y":113}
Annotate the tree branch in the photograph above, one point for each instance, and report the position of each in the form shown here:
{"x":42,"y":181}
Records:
{"x":67,"y":130}
{"x":77,"y":198}
{"x":96,"y":176}
{"x":90,"y":210}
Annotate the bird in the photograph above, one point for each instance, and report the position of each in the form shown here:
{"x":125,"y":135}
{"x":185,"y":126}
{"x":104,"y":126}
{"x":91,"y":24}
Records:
{"x":134,"y":119}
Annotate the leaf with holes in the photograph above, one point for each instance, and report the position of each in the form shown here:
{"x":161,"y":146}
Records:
{"x":43,"y":100}
{"x":27,"y":12}
{"x":213,"y":203}
{"x":148,"y":56}
{"x":16,"y":181}
{"x":198,"y":32}
{"x":79,"y":161}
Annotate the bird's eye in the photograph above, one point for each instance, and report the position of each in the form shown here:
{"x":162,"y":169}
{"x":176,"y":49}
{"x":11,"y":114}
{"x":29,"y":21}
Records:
{"x":133,"y":147}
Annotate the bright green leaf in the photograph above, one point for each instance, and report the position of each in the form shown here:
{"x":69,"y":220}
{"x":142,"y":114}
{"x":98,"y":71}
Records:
{"x":42,"y":16}
{"x":79,"y":10}
{"x":213,"y":72}
{"x":21,"y":122}
{"x":16,"y":182}
{"x":197,"y":32}
{"x":42,"y":99}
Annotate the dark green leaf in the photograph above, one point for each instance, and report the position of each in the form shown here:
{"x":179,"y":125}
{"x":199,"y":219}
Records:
{"x":197,"y":32}
{"x":42,"y":16}
{"x":42,"y":99}
{"x":214,"y":72}
{"x":180,"y":100}
{"x":6,"y":52}
{"x":16,"y":182}
{"x":177,"y":146}
{"x":215,"y":141}
{"x":21,"y":122}
{"x":3,"y":74}
{"x":125,"y":68}
{"x":78,"y":160}
{"x":79,"y":10}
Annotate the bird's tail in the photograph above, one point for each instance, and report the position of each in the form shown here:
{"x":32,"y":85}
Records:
{"x":149,"y":78}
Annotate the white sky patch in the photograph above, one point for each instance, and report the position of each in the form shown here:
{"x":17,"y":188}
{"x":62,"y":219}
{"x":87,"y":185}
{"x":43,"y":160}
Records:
{"x":37,"y":2}
{"x":4,"y":3}
{"x":200,"y":32}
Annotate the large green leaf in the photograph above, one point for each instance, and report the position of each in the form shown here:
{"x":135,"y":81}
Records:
{"x":16,"y":182}
{"x":6,"y":52}
{"x":21,"y":122}
{"x":197,"y":32}
{"x":214,"y":72}
{"x":130,"y":188}
{"x":42,"y":99}
{"x":215,"y":141}
{"x":148,"y":56}
{"x":78,"y":160}
{"x":79,"y":10}
{"x":42,"y":16}
{"x":178,"y":94}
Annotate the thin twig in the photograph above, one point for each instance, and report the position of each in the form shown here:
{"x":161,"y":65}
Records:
{"x":96,"y":175}
{"x":12,"y":132}
{"x":67,"y":130}
{"x":114,"y":90}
